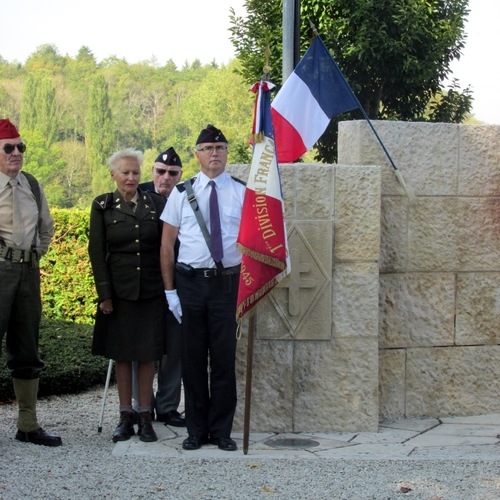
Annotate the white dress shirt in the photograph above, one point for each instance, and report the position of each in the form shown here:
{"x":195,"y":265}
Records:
{"x":193,"y":249}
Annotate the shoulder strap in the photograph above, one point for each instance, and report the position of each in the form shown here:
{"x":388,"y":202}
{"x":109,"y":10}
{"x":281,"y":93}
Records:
{"x":35,"y":189}
{"x":191,"y":198}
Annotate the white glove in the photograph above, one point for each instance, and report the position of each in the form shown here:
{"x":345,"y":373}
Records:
{"x":174,"y":304}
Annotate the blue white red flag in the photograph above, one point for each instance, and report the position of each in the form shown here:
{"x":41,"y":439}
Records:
{"x":312,"y":95}
{"x":262,"y":237}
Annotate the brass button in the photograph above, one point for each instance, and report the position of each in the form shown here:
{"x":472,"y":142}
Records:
{"x":138,"y":269}
{"x":137,"y":241}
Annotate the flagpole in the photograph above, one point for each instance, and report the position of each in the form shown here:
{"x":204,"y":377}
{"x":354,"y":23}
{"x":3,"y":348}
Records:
{"x":397,"y":172}
{"x":248,"y":387}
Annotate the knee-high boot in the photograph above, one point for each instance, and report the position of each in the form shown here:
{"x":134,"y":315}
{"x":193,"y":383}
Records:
{"x":26,"y":394}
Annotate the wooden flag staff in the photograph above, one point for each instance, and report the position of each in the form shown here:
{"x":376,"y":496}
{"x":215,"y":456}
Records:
{"x":248,"y":387}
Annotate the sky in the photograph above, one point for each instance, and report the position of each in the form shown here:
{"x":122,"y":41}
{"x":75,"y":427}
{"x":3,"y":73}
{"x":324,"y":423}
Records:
{"x":186,"y":30}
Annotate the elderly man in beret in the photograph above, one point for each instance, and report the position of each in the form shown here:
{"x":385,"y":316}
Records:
{"x":204,"y":213}
{"x":26,"y":229}
{"x":167,"y":172}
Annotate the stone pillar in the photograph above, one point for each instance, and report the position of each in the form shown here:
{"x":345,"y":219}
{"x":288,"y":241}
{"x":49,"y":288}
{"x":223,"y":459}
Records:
{"x":315,"y":365}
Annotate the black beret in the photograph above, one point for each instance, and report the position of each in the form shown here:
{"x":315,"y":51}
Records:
{"x":211,"y":134}
{"x":169,"y":157}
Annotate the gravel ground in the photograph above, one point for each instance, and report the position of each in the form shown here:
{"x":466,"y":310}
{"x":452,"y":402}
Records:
{"x":85,"y":468}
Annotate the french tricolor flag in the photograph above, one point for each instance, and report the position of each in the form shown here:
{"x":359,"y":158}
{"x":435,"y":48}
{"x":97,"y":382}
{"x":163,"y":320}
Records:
{"x":312,"y":95}
{"x":262,"y":238}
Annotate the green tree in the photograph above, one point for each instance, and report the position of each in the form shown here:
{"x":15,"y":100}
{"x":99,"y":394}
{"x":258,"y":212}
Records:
{"x":28,"y":110}
{"x":47,"y":165}
{"x":38,"y":109}
{"x":395,"y":54}
{"x":99,"y":135}
{"x":224,"y":100}
{"x":45,"y":57}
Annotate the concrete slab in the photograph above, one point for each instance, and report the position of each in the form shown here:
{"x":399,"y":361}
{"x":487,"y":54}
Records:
{"x":385,"y":435}
{"x":411,"y":424}
{"x":493,"y":419}
{"x":465,"y":429}
{"x":370,"y":452}
{"x":449,"y":440}
{"x":457,"y":438}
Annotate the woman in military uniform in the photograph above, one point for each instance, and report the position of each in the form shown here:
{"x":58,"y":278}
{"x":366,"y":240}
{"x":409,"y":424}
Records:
{"x":124,"y":248}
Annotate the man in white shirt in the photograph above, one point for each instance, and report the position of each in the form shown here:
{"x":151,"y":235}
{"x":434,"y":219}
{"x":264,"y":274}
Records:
{"x":202,"y":288}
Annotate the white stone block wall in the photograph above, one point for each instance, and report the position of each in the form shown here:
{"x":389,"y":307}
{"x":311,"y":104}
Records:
{"x":317,"y":370}
{"x":439,"y":283}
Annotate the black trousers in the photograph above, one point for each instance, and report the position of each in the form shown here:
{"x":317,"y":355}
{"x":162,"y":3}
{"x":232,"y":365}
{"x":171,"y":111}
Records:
{"x":20,"y":315}
{"x":208,"y":353}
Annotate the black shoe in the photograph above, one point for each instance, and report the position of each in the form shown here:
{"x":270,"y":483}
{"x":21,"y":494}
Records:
{"x":194,"y":443}
{"x":226,"y":444}
{"x":135,"y":418}
{"x":173,"y":418}
{"x":125,"y":427}
{"x":39,"y":437}
{"x":146,"y":432}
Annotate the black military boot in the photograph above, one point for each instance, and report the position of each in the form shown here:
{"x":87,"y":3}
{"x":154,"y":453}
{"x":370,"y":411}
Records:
{"x":125,"y":427}
{"x":146,"y":432}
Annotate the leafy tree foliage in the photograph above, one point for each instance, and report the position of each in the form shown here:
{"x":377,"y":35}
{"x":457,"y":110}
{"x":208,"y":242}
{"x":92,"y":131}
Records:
{"x":395,"y":54}
{"x":74,"y":112}
{"x":99,"y":134}
{"x":38,"y":109}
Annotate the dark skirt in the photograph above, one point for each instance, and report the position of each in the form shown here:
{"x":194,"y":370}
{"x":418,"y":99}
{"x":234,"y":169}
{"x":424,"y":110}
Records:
{"x":134,"y":331}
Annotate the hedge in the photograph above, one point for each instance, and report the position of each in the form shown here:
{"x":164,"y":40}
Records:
{"x":69,"y":305}
{"x":69,"y":368}
{"x":68,"y":290}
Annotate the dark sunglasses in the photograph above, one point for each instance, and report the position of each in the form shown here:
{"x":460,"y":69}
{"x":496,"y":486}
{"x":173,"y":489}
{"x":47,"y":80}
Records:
{"x":9,"y":148}
{"x":162,"y":171}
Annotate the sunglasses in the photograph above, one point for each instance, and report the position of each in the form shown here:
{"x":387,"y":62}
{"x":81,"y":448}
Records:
{"x":163,"y":171}
{"x":9,"y":148}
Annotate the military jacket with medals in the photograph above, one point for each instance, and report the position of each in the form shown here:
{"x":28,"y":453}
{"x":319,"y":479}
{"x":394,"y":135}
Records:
{"x":124,"y":246}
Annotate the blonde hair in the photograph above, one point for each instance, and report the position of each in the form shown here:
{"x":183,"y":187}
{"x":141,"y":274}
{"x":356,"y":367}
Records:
{"x":125,"y":153}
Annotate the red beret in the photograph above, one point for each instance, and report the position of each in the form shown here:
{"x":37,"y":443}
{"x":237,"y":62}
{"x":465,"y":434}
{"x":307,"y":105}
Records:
{"x":7,"y":130}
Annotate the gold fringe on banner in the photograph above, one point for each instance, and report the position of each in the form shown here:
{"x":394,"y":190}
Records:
{"x":265,"y":259}
{"x":252,"y":299}
{"x":259,"y":137}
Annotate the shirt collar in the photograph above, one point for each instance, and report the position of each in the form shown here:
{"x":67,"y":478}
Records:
{"x":204,"y":179}
{"x":5,"y":179}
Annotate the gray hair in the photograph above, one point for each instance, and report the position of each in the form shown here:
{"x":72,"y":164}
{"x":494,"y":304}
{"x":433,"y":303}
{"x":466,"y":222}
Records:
{"x":132,"y":153}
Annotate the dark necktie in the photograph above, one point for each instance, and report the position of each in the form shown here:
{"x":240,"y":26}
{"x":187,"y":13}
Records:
{"x":215,"y":231}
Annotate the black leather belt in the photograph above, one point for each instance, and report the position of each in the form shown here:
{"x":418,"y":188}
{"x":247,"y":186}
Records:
{"x":210,"y":272}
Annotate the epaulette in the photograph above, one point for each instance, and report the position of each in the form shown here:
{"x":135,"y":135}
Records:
{"x":104,"y":200}
{"x":181,"y":187}
{"x":238,"y":180}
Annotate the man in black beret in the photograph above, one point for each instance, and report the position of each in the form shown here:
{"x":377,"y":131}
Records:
{"x":167,"y":172}
{"x":202,"y":289}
